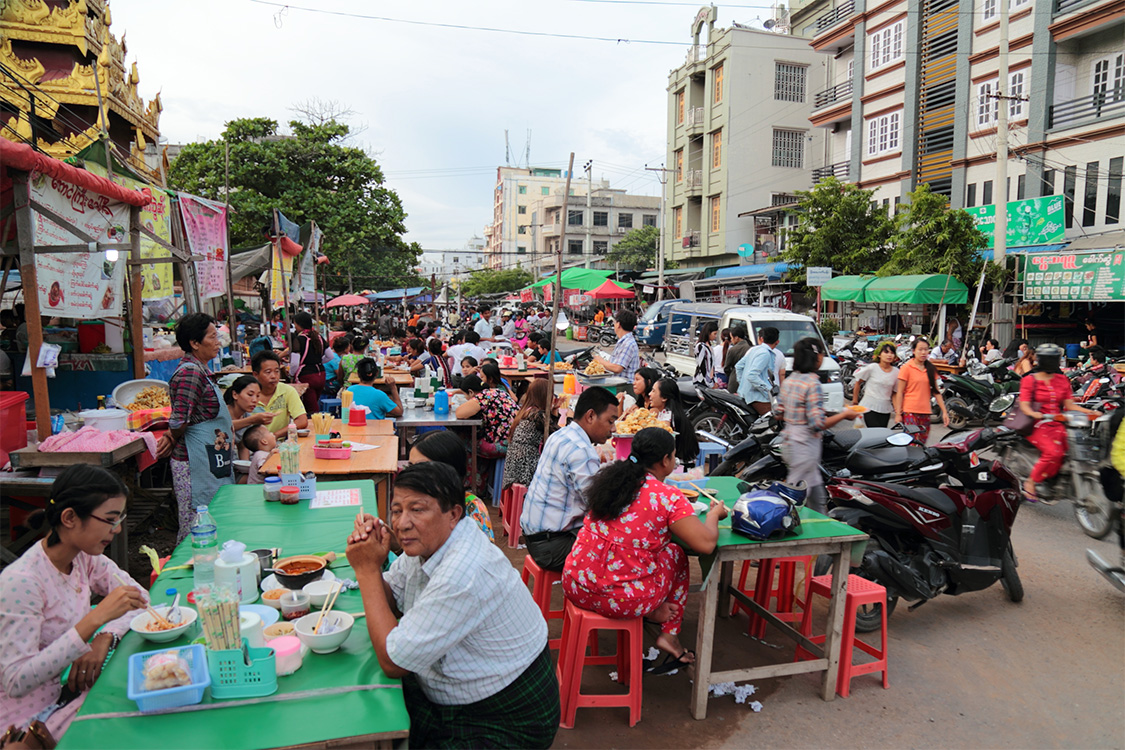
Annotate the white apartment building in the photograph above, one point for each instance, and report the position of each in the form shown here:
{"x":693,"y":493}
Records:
{"x":453,"y":265}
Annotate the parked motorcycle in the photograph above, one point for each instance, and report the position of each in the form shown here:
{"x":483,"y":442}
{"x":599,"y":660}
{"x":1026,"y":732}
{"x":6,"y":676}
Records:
{"x":724,"y":415}
{"x":973,"y":398}
{"x":928,"y":541}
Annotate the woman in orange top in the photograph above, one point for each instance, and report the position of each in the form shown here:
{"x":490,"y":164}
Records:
{"x":917,"y":383}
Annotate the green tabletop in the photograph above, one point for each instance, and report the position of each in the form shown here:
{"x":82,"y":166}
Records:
{"x":241,"y":514}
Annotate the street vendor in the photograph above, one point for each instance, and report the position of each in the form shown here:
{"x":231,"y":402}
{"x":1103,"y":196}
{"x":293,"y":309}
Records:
{"x":471,"y":644}
{"x":200,"y":439}
{"x":46,"y":622}
{"x":626,"y":359}
{"x":279,"y":398}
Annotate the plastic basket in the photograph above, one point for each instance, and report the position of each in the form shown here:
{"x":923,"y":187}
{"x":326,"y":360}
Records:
{"x":155,"y":700}
{"x":332,"y":453}
{"x":232,"y":677}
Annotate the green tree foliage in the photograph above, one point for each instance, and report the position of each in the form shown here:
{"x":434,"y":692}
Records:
{"x":637,"y":250}
{"x":314,"y":175}
{"x":839,"y":227}
{"x":931,"y":238}
{"x":489,"y":281}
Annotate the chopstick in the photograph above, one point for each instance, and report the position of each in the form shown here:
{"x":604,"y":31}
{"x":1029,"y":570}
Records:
{"x":703,"y":492}
{"x":329,"y":601}
{"x":155,"y":615}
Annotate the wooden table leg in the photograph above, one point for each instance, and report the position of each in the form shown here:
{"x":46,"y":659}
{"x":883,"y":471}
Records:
{"x":473,"y":439}
{"x":835,"y":622}
{"x":726,"y":575}
{"x":704,"y":641}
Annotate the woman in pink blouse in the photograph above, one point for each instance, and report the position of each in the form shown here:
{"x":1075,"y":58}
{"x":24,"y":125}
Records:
{"x":46,"y":623}
{"x":624,"y":563}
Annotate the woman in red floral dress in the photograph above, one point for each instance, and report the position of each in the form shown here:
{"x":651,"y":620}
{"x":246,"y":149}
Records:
{"x":624,"y":563}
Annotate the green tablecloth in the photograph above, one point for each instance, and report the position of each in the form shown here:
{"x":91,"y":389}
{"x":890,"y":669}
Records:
{"x":241,"y":514}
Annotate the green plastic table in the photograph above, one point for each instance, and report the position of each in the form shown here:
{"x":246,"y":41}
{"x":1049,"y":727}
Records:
{"x":819,"y":535}
{"x":372,"y":717}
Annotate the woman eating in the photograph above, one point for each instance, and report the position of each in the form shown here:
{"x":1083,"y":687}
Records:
{"x":46,"y":621}
{"x":643,"y":382}
{"x":245,"y":411}
{"x":380,"y":405}
{"x":624,"y":563}
{"x":880,"y":378}
{"x":308,"y":348}
{"x":917,"y":384}
{"x":200,"y":437}
{"x":525,"y":441}
{"x":801,"y":406}
{"x":278,"y":398}
{"x":668,"y":404}
{"x":446,"y":448}
{"x":439,"y":362}
{"x":705,"y":355}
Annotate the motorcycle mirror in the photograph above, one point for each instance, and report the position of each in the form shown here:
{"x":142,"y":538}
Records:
{"x":900,"y":439}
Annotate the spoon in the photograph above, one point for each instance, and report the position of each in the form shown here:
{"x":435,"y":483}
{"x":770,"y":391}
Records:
{"x":174,"y":614}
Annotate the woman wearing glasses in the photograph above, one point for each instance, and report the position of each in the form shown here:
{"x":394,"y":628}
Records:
{"x":46,"y":623}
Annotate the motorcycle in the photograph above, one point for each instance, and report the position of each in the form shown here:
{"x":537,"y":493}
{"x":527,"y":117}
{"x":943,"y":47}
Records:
{"x":723,"y":414}
{"x":1078,"y":479}
{"x":978,"y":397}
{"x":1113,"y":484}
{"x":852,"y":356}
{"x":928,"y":541}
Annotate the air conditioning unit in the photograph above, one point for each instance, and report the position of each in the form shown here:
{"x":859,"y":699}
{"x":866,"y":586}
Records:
{"x":623,"y":230}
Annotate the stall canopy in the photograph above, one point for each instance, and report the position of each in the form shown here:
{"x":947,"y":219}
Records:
{"x":397,"y":294}
{"x":917,"y":289}
{"x":585,"y":279}
{"x":609,"y":290}
{"x":348,"y":300}
{"x":772,"y":271}
{"x":847,"y":288}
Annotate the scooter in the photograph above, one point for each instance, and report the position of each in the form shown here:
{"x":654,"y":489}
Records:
{"x":927,"y":541}
{"x":971,"y":398}
{"x":723,"y":414}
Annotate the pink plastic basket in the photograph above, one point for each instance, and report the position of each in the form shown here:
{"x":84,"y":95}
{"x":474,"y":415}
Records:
{"x":332,"y":453}
{"x":624,"y":446}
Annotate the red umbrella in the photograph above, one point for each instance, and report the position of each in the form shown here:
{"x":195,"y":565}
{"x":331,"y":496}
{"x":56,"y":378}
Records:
{"x":348,"y":300}
{"x":609,"y":290}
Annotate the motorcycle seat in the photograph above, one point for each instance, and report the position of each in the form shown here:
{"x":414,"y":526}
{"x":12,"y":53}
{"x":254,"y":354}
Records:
{"x":731,"y":398}
{"x":931,"y":497}
{"x":885,"y":460}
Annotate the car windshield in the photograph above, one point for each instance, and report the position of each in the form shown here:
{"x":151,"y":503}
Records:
{"x":653,"y":312}
{"x":791,"y":331}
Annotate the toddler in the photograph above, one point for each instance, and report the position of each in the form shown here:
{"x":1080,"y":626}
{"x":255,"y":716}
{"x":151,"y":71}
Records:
{"x":260,"y":442}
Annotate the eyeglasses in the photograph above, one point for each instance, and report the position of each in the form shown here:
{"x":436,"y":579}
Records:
{"x":114,"y":525}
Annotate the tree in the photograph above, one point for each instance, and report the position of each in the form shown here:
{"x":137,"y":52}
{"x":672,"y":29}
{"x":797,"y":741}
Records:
{"x":637,"y":250}
{"x":490,"y":281}
{"x":840,"y":227}
{"x":931,"y":238}
{"x":309,"y":175}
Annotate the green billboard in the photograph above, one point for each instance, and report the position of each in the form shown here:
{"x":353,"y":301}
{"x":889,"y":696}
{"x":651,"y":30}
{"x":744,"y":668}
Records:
{"x":1060,"y":277}
{"x":1035,"y":221}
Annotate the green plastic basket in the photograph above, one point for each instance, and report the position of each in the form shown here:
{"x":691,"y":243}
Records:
{"x":232,"y":677}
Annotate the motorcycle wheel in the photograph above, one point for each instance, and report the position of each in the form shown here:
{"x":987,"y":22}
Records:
{"x":1092,"y":509}
{"x":1009,"y":578}
{"x":869,"y":618}
{"x":712,"y":421}
{"x":957,"y":421}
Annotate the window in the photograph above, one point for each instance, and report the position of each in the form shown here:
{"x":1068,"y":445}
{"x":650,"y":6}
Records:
{"x":678,"y":221}
{"x":986,"y":193}
{"x":1109,"y":80}
{"x":601,"y":247}
{"x":988,"y":10}
{"x":716,"y":149}
{"x":851,"y":69}
{"x":574,"y":247}
{"x":789,"y":82}
{"x":680,"y":165}
{"x":789,"y":148}
{"x":601,"y":218}
{"x":521,"y":210}
{"x":625,"y":220}
{"x":1015,"y":91}
{"x":1069,"y":178}
{"x":717,"y":83}
{"x":1048,"y":187}
{"x":648,"y":220}
{"x":1020,"y":186}
{"x":573,"y":218}
{"x":988,"y":102}
{"x":971,"y":196}
{"x":679,"y":107}
{"x":544,"y":191}
{"x":521,"y":230}
{"x":886,"y":45}
{"x":1090,"y":200}
{"x":988,"y":108}
{"x":521,"y":249}
{"x":1113,"y":194}
{"x":456,"y":260}
{"x":883,"y":134}
{"x":716,"y":203}
{"x":523,"y":189}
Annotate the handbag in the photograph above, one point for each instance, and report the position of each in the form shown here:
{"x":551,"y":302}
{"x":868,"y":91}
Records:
{"x":1019,"y":422}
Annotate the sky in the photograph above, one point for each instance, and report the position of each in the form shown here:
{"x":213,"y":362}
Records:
{"x":433,"y":102}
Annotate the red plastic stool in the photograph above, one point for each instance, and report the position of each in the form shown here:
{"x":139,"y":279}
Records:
{"x":580,"y":627}
{"x":543,"y":581}
{"x":152,"y":577}
{"x":860,"y":591}
{"x":783,"y":592}
{"x":511,"y":508}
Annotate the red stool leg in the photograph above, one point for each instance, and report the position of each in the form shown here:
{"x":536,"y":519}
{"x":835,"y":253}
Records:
{"x":737,"y":605}
{"x":763,"y":591}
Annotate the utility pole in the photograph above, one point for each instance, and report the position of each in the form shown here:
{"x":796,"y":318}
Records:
{"x":589,"y":222}
{"x":1000,"y":227}
{"x":557,"y":295}
{"x":662,"y":175}
{"x":232,"y":316}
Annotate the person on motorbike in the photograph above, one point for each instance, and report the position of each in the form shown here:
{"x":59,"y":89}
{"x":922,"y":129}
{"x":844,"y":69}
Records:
{"x":1046,"y":392}
{"x":880,"y":377}
{"x":801,"y":407}
{"x":917,"y":384}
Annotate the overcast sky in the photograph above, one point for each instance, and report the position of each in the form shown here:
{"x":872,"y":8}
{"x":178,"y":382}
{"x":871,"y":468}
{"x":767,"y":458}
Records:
{"x":435,"y":101}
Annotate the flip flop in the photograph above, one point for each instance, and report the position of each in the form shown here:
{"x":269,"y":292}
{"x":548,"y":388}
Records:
{"x":669,"y":664}
{"x":1030,"y":497}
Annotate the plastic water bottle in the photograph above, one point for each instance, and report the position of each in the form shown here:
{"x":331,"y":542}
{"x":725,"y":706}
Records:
{"x":291,"y":433}
{"x":204,"y":547}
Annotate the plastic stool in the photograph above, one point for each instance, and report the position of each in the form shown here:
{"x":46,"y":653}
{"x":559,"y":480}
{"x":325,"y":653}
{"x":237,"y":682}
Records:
{"x":331,"y":405}
{"x":860,"y":591}
{"x":154,"y":575}
{"x":764,"y":590}
{"x":497,"y":481}
{"x":580,"y":627}
{"x":543,"y":581}
{"x":510,"y":513}
{"x":711,"y":453}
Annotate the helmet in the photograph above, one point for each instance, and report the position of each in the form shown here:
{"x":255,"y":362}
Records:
{"x":1048,"y":350}
{"x":1049,"y":357}
{"x":763,"y":515}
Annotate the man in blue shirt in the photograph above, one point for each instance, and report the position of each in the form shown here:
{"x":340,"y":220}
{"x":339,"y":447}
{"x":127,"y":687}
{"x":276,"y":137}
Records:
{"x":626,"y":359}
{"x":756,"y":372}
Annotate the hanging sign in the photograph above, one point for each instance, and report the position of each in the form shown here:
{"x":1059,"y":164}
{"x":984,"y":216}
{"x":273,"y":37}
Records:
{"x":817,"y":275}
{"x":527,"y":295}
{"x":548,"y":292}
{"x":1035,"y":221}
{"x":1061,"y":277}
{"x":205,"y":226}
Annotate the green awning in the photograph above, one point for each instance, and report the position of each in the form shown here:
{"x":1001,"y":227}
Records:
{"x":849,"y":288}
{"x":585,"y":279}
{"x":917,"y":289}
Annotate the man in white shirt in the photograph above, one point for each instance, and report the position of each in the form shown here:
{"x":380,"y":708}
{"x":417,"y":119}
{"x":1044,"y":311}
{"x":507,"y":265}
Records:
{"x":452,"y":619}
{"x":945,"y":352}
{"x":991,"y":351}
{"x":509,"y":326}
{"x":483,"y":326}
{"x":474,"y":350}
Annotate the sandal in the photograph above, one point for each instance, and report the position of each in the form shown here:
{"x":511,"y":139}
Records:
{"x":671,"y":664}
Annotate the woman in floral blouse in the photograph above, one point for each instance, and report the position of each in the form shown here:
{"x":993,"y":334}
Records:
{"x":624,"y":563}
{"x":493,"y":403}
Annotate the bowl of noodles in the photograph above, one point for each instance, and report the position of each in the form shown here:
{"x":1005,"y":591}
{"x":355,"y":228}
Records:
{"x":148,"y":628}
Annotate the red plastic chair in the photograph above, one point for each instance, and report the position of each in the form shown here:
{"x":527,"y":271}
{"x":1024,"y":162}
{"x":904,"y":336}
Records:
{"x":765,"y":590}
{"x":859,"y":591}
{"x":511,"y":508}
{"x":542,"y":583}
{"x":580,"y":628}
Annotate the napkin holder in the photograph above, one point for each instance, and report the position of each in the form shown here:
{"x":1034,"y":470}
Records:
{"x":306,"y":484}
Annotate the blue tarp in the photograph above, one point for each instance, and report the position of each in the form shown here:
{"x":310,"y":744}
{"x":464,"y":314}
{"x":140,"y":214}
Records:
{"x":397,"y":294}
{"x":772,"y":270}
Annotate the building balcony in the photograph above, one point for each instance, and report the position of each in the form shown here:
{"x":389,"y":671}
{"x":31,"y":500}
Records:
{"x":694,"y":121}
{"x":1065,"y":6}
{"x":696,"y":55}
{"x":834,"y":29}
{"x":1077,"y":19}
{"x":839,"y":170}
{"x":839,"y":92}
{"x":832,"y":105}
{"x":1096,"y":107}
{"x":693,"y":182}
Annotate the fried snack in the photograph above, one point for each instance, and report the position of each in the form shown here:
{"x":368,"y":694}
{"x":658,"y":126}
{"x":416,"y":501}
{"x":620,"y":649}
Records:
{"x":563,"y":366}
{"x":638,"y":420}
{"x":152,"y":397}
{"x":166,"y":670}
{"x":595,"y":368}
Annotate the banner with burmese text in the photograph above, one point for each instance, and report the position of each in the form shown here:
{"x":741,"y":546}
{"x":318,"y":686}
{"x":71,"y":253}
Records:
{"x":205,"y":228}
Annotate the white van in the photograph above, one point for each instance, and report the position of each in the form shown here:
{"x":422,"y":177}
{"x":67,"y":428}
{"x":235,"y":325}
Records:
{"x":687,"y":319}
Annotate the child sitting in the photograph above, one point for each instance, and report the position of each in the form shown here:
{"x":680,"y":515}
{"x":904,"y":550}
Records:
{"x":260,"y":442}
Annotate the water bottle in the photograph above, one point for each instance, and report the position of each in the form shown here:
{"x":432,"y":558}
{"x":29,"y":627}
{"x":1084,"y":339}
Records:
{"x":291,"y":433}
{"x":204,"y":547}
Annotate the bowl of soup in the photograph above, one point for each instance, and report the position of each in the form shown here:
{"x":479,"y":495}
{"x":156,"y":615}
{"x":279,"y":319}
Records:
{"x":295,"y":572}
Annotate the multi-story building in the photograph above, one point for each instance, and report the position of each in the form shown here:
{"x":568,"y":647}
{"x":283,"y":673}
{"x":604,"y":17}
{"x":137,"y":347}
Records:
{"x":739,"y":139}
{"x":915,"y":81}
{"x":452,"y":266}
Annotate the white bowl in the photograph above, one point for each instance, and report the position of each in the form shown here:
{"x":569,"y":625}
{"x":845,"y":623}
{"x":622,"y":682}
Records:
{"x":275,"y":603}
{"x":242,"y":466}
{"x":324,"y":643}
{"x":319,"y":591}
{"x":141,"y":622}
